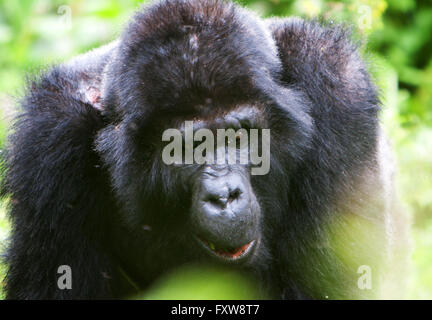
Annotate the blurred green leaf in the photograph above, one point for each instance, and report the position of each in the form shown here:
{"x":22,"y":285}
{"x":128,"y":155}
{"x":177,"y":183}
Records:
{"x":197,"y":282}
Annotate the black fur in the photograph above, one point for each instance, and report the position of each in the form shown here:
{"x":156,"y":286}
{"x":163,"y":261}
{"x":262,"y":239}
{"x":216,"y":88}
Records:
{"x":84,"y":170}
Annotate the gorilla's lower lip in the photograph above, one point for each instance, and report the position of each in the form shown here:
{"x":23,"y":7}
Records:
{"x":231,"y":254}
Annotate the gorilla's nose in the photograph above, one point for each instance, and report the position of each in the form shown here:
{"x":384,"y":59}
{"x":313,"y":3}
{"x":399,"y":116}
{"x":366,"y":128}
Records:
{"x":224,"y":196}
{"x":225,"y":211}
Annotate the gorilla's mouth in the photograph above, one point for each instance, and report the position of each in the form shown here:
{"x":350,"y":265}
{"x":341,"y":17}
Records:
{"x":232,"y":254}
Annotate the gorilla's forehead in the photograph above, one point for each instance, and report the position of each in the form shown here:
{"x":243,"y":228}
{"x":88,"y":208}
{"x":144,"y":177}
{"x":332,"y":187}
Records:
{"x":241,"y":116}
{"x":200,"y":43}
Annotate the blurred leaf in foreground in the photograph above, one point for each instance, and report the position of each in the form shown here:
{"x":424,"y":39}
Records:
{"x":202,"y":282}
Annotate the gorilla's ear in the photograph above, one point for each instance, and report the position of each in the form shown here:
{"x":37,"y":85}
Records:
{"x":322,"y":62}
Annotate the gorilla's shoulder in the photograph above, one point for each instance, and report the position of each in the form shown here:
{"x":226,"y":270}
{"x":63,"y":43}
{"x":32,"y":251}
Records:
{"x":70,"y":85}
{"x":324,"y":42}
{"x":326,"y":52}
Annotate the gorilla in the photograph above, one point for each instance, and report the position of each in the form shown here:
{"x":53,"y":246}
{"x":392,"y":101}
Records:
{"x":88,"y":187}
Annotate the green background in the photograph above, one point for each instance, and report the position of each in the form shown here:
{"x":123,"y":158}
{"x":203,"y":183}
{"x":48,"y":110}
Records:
{"x":397,"y":42}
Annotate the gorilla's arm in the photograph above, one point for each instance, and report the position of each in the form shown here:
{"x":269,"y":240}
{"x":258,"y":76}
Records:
{"x":350,"y":167}
{"x":57,"y":189}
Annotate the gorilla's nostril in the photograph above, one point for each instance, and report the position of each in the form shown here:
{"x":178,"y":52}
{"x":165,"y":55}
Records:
{"x":223,"y":201}
{"x":234,"y":195}
{"x":218,"y":201}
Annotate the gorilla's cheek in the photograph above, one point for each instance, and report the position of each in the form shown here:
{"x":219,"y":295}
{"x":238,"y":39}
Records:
{"x":226,"y":214}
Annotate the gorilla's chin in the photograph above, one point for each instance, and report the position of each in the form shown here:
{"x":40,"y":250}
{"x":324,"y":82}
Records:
{"x":239,"y":254}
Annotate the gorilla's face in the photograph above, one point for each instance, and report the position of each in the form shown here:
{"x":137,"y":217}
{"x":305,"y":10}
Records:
{"x":202,"y":209}
{"x":224,"y":211}
{"x":219,"y":205}
{"x":206,"y":210}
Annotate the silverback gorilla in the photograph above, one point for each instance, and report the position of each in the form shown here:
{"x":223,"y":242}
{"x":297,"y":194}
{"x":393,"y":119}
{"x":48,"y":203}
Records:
{"x":88,"y":187}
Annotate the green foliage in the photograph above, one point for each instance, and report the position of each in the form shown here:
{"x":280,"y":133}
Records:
{"x":34,"y":34}
{"x":202,"y":282}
